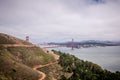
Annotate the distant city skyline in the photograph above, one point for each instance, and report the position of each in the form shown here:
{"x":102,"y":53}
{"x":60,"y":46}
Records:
{"x":61,"y":20}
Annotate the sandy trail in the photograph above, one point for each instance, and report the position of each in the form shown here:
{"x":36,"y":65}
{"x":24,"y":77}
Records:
{"x":40,"y":66}
{"x":16,"y":45}
{"x":43,"y":75}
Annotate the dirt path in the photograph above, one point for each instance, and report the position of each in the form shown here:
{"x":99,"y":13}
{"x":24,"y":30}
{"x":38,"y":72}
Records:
{"x":40,"y":66}
{"x":16,"y":45}
{"x":43,"y":75}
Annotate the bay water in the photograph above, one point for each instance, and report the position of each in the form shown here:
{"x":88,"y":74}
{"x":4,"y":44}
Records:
{"x":107,"y":57}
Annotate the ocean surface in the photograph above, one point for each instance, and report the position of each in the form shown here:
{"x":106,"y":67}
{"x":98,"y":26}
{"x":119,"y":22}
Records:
{"x":107,"y":57}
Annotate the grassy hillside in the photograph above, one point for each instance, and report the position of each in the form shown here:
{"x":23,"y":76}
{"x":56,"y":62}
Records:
{"x":53,"y":72}
{"x":11,"y":69}
{"x":16,"y":63}
{"x":30,"y":55}
{"x":7,"y":39}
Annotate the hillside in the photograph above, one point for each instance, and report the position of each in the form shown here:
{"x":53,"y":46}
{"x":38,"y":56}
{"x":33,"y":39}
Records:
{"x":8,"y":39}
{"x":17,"y":62}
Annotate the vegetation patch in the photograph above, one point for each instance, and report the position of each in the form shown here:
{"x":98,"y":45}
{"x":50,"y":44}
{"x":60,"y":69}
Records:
{"x":53,"y":72}
{"x":83,"y":70}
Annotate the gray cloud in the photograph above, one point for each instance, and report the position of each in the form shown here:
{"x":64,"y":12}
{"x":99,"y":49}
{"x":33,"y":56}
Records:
{"x":56,"y":20}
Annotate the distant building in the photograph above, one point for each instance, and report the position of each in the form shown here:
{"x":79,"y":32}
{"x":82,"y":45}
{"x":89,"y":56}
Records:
{"x":27,"y":38}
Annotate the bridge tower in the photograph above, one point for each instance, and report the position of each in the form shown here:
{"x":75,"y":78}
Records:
{"x":72,"y":44}
{"x":27,"y":38}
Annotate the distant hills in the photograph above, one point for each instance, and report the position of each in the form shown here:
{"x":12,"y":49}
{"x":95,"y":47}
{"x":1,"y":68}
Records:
{"x":88,"y":43}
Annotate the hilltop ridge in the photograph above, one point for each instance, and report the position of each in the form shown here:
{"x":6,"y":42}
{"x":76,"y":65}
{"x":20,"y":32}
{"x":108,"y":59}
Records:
{"x":8,"y":39}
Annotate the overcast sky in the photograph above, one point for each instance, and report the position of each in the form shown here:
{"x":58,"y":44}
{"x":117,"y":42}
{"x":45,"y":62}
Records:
{"x":61,"y":20}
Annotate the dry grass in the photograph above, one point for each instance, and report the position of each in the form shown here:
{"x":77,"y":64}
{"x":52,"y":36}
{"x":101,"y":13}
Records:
{"x":16,"y":62}
{"x":7,"y":39}
{"x":12,"y":70}
{"x":53,"y":72}
{"x":31,"y":55}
